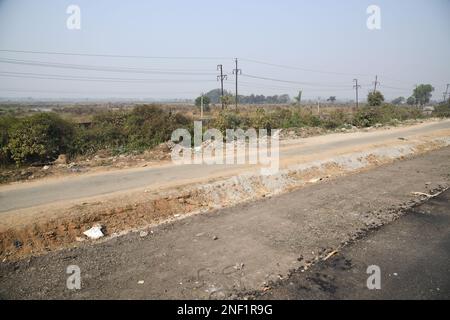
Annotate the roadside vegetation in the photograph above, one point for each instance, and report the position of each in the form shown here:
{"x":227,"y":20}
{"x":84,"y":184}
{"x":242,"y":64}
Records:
{"x":40,"y":137}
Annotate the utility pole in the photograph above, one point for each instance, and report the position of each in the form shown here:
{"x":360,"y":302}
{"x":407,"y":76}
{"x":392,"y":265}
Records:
{"x":356,"y":86}
{"x":446,"y":92}
{"x":415,"y":97}
{"x":318,"y":106}
{"x":221,"y":77}
{"x":375,"y":84}
{"x":236,"y":72}
{"x":201,"y":107}
{"x":299,"y":97}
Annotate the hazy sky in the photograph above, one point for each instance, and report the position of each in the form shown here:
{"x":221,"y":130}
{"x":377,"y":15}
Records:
{"x":324,"y":44}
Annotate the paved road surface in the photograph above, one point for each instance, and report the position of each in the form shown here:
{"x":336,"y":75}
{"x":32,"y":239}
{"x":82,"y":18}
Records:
{"x":38,"y":193}
{"x":413,"y":254}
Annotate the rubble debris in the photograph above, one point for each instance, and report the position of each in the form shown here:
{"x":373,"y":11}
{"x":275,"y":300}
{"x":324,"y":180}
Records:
{"x":95,"y":232}
{"x":62,"y":159}
{"x":18,"y":244}
{"x":332,"y":253}
{"x":425,"y":194}
{"x":143,"y":234}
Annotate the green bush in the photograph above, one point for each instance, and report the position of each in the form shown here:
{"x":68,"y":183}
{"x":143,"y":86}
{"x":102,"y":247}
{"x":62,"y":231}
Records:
{"x":6,"y":122}
{"x":442,"y":110}
{"x":40,"y":138}
{"x":260,"y":119}
{"x":147,"y":126}
{"x":369,"y":116}
{"x":227,"y":120}
{"x":375,"y":98}
{"x":366,"y":117}
{"x":335,"y":119}
{"x":124,"y":132}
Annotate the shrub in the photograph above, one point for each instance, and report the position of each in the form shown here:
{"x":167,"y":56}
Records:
{"x":335,"y":119}
{"x":40,"y":138}
{"x":375,"y":98}
{"x":227,"y":120}
{"x":147,"y":126}
{"x":122,"y":132}
{"x":442,"y":110}
{"x":366,"y":117}
{"x":6,"y":122}
{"x":260,"y":119}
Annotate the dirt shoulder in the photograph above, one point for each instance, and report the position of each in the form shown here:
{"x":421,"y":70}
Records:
{"x":223,"y":253}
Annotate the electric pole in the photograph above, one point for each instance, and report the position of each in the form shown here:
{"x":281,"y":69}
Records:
{"x":299,"y":97}
{"x":236,"y":72}
{"x":415,"y":97}
{"x":446,"y":92}
{"x":356,"y":87}
{"x":201,"y":107}
{"x":221,"y":77}
{"x":318,"y":106}
{"x":375,"y":84}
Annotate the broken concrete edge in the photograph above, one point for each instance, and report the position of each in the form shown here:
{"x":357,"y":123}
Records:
{"x":395,"y":213}
{"x":199,"y":198}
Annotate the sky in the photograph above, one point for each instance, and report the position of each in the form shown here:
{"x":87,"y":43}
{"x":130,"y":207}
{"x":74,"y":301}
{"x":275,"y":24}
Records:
{"x":171,"y":48}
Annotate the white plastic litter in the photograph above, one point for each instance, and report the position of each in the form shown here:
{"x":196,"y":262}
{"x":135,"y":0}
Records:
{"x":95,"y":232}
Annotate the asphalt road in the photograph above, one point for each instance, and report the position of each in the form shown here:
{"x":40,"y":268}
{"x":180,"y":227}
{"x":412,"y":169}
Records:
{"x":413,"y":254}
{"x":69,"y":188}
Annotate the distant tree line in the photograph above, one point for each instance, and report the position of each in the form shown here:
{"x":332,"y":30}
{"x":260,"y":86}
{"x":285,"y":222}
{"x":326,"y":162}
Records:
{"x":214,"y":97}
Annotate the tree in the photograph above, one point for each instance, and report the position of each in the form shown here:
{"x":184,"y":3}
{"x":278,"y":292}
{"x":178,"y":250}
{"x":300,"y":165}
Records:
{"x":215,"y":94}
{"x":206,"y":102}
{"x":398,"y":100}
{"x":375,"y":98}
{"x":422,"y":93}
{"x":332,"y":99}
{"x":227,"y":100}
{"x":411,"y":101}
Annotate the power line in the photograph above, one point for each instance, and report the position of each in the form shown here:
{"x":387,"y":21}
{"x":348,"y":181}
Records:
{"x":304,"y":69}
{"x":269,"y":86}
{"x":93,"y":92}
{"x":293,"y":82}
{"x":394,"y":88}
{"x":99,"y":68}
{"x":320,"y":71}
{"x":87,"y":78}
{"x":107,"y":55}
{"x":113,"y":55}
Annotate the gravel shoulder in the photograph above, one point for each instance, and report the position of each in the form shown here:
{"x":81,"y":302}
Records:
{"x":229,"y":252}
